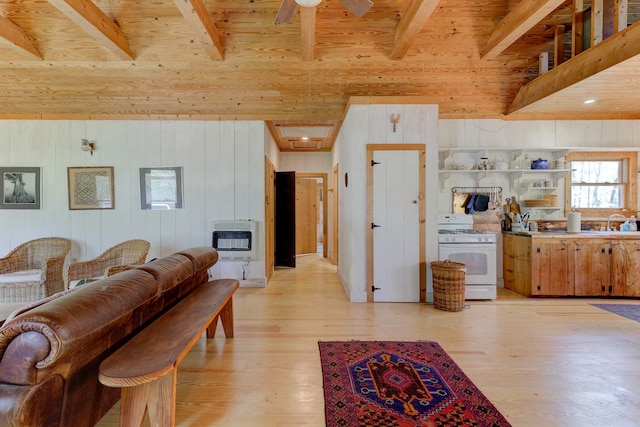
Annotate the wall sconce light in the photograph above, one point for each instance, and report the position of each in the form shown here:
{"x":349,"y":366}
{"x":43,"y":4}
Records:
{"x":88,"y":146}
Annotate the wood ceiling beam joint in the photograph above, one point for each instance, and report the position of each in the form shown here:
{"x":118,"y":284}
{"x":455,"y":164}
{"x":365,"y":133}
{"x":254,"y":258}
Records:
{"x":411,"y":23}
{"x":195,"y":13}
{"x":94,"y":21}
{"x":13,"y":37}
{"x":517,"y":22}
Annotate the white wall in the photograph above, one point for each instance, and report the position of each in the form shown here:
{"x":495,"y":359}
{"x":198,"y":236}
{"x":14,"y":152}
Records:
{"x":571,"y":134}
{"x":306,"y":162}
{"x":370,"y":124}
{"x":224,"y":175}
{"x":223,"y":166}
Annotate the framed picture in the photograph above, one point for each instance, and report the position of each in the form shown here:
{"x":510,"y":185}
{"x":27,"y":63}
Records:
{"x":20,"y":188}
{"x":161,"y":188}
{"x":91,"y":188}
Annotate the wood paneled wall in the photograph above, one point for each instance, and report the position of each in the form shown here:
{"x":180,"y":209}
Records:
{"x":223,"y":166}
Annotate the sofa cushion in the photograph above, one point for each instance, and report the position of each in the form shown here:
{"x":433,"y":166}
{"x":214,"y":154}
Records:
{"x":21,"y":276}
{"x":179,"y":267}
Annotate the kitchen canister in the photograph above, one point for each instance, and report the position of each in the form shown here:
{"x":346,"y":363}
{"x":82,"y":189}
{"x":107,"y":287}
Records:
{"x":573,"y":222}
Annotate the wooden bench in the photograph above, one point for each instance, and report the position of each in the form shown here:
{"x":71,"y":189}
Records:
{"x":146,"y":366}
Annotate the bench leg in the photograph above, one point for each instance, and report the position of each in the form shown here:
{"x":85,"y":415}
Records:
{"x":162,"y":401}
{"x":211,"y":329}
{"x":226,"y":316}
{"x":133,"y":405}
{"x":158,"y":397}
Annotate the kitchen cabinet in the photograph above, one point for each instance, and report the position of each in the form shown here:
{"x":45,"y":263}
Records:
{"x":592,"y":267}
{"x":536,"y":266}
{"x":572,"y":265}
{"x":625,"y":268}
{"x":550,"y":267}
{"x":516,"y":263}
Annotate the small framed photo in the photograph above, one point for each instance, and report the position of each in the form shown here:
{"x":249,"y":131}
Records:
{"x":20,"y":188}
{"x":161,"y":188}
{"x":91,"y":188}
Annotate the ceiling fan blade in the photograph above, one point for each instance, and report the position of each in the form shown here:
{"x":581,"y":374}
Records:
{"x":286,"y":11}
{"x":357,"y":7}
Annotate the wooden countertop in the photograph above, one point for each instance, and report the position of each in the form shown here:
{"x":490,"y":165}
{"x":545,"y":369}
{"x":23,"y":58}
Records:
{"x":620,"y":235}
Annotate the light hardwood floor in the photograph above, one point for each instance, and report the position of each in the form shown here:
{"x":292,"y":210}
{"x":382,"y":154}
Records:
{"x":542,"y":362}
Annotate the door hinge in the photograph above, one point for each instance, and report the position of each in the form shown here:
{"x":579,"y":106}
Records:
{"x":610,"y":251}
{"x":373,"y":163}
{"x":610,"y":288}
{"x":373,"y":288}
{"x":374,"y":226}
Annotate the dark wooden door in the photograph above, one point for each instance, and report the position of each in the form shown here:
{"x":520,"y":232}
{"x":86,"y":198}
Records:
{"x":285,"y":241}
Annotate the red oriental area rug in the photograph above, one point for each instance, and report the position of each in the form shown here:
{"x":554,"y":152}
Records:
{"x":399,"y":384}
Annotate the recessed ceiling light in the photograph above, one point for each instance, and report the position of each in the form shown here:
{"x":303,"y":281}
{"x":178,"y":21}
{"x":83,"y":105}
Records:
{"x":589,"y":101}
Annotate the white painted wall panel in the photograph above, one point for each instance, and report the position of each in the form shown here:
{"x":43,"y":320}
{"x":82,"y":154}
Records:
{"x":226,"y":175}
{"x":195,"y":192}
{"x":306,"y":162}
{"x":212,"y":169}
{"x":370,"y":124}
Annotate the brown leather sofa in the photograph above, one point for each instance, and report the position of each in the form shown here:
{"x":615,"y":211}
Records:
{"x":49,"y":354}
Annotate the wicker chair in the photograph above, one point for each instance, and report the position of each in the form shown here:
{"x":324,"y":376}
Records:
{"x":108,"y":263}
{"x":33,"y":270}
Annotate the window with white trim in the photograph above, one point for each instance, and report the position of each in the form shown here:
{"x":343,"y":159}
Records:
{"x":602,"y":183}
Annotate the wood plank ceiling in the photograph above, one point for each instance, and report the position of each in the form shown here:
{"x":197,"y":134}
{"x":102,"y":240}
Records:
{"x":228,"y":60}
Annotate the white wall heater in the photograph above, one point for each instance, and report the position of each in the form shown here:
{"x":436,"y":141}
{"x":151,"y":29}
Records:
{"x":234,"y":239}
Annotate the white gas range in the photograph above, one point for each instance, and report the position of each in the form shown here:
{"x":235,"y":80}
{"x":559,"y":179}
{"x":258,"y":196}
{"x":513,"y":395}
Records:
{"x":459,"y":242}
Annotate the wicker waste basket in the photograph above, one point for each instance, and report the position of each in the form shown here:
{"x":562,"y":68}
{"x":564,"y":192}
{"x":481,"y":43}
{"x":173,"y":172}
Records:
{"x":448,"y":285}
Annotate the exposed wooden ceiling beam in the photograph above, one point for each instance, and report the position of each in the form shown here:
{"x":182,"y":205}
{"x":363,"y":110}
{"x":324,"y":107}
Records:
{"x":411,"y":24}
{"x":94,"y":21}
{"x":558,"y":45}
{"x":13,"y":37}
{"x":513,"y":26}
{"x":286,"y":11}
{"x":195,"y":12}
{"x":612,"y":51}
{"x":308,"y":32}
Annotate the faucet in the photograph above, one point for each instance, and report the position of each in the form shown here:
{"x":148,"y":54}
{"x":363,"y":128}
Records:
{"x":615,"y":215}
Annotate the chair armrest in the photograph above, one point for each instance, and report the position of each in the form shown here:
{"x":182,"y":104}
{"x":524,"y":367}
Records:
{"x":83,"y":270}
{"x":110,"y":271}
{"x":11,"y":264}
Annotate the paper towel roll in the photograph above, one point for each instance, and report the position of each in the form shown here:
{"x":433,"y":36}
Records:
{"x":573,"y":222}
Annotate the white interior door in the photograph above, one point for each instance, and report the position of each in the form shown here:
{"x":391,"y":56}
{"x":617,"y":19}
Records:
{"x":396,"y":258}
